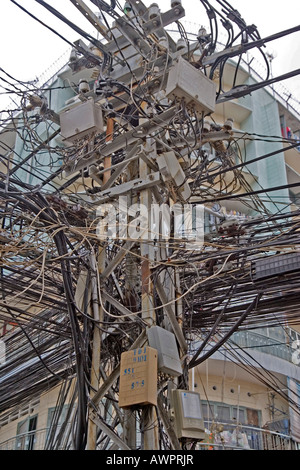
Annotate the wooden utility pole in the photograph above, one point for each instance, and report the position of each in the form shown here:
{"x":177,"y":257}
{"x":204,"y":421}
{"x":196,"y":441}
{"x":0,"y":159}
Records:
{"x":130,"y":297}
{"x":149,"y":424}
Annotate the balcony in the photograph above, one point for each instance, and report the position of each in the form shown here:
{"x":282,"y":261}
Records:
{"x":265,"y":344}
{"x":221,"y":437}
{"x":34,"y":440}
{"x":225,"y":436}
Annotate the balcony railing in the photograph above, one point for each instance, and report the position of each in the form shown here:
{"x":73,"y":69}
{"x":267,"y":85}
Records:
{"x":34,"y":440}
{"x":263,"y":343}
{"x":224,"y":437}
{"x":242,"y":437}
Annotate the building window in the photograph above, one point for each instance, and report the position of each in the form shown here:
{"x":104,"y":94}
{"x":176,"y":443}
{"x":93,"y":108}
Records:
{"x":54,"y":425}
{"x":223,"y":413}
{"x":25,"y":439}
{"x":239,"y":415}
{"x":229,"y":414}
{"x":283,"y":126}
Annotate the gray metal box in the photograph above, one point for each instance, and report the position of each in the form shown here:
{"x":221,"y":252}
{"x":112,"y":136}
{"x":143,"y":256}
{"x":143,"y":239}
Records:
{"x":188,"y":83}
{"x":165,"y":343}
{"x":81,"y":120}
{"x":187,"y":414}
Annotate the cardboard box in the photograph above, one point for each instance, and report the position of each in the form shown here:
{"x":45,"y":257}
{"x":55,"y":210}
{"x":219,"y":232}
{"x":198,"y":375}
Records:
{"x":138,"y":378}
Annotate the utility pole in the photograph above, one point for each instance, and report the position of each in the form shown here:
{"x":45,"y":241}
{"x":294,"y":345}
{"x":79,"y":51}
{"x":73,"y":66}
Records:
{"x":149,"y":416}
{"x":151,"y":172}
{"x":136,"y":136}
{"x":96,"y":341}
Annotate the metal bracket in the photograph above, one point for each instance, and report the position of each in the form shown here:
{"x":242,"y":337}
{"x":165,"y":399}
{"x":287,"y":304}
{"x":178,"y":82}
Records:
{"x":91,"y":17}
{"x":109,"y":432}
{"x":134,"y":37}
{"x":164,"y":19}
{"x":124,"y":140}
{"x":135,"y":185}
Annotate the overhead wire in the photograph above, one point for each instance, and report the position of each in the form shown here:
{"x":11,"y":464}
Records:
{"x":215,"y":300}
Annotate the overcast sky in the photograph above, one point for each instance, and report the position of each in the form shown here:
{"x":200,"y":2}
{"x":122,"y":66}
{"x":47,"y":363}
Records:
{"x":28,"y":48}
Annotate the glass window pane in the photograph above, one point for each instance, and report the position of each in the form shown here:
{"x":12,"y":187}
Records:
{"x":223,"y":413}
{"x":206,"y":411}
{"x":239,"y":415}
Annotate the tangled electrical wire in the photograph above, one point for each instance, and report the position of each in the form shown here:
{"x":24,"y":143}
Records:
{"x":48,"y":238}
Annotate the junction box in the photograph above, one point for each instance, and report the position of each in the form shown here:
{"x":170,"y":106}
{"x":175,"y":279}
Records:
{"x":138,"y":378}
{"x":189,"y":84}
{"x":186,"y":413}
{"x":81,"y":120}
{"x":165,"y":343}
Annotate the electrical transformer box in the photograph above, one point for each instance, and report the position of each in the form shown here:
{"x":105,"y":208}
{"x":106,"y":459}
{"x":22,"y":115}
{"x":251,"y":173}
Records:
{"x":81,"y":120}
{"x":138,"y":378}
{"x":189,"y":84}
{"x":165,"y":343}
{"x":187,"y":414}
